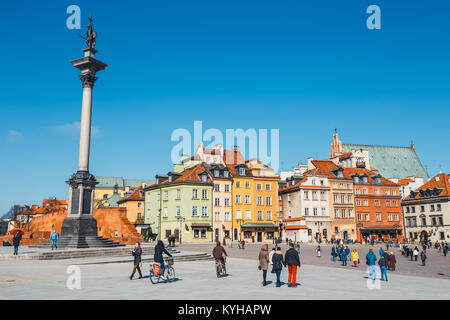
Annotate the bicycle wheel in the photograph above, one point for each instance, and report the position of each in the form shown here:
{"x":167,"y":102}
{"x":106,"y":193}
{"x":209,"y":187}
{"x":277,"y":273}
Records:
{"x":170,"y":274}
{"x":218,"y":270}
{"x":154,"y":278}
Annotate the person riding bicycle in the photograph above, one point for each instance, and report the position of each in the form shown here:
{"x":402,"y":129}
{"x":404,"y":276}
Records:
{"x":158,"y":257}
{"x":218,"y":253}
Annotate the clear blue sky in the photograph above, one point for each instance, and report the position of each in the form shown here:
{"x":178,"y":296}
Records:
{"x":304,"y":67}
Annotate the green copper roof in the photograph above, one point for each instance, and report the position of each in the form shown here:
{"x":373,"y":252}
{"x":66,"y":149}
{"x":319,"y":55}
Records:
{"x":110,"y":182}
{"x":111,"y":201}
{"x":392,"y":162}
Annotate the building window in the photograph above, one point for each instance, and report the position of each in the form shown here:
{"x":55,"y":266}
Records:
{"x":324,"y":211}
{"x":358,"y":202}
{"x":259,"y":186}
{"x":441,"y":221}
{"x":322,"y":183}
{"x":204,"y":178}
{"x":359,"y":216}
{"x":260,"y":215}
{"x":342,"y":198}
{"x":315,"y":212}
{"x":195,"y":211}
{"x":314,"y":195}
{"x":375,"y":191}
{"x":336,"y":213}
{"x":394,"y":203}
{"x":139,"y":205}
{"x":306,"y":212}
{"x":394,"y":192}
{"x":269,"y":215}
{"x":238,"y":199}
{"x":227,"y":188}
{"x":267,"y":186}
{"x":204,"y":211}
{"x":438,"y":207}
{"x":422,"y":208}
{"x":378,"y":217}
{"x":227,"y":202}
{"x":227,"y":216}
{"x":178,"y":211}
{"x":205,"y":194}
{"x":268,"y":201}
{"x":349,"y":198}
{"x":139,"y":216}
{"x":396,"y":217}
{"x":165,"y":212}
{"x":389,"y":217}
{"x":242,"y":171}
{"x":248,"y":215}
{"x":357,"y":191}
{"x":247,"y":199}
{"x":335,"y":198}
{"x":217,"y":187}
{"x":424,"y":221}
{"x":238,"y":214}
{"x":178,"y":194}
{"x":350,"y":213}
{"x":388,"y":203}
{"x":259,"y":201}
{"x":217,"y":202}
{"x":413,"y":209}
{"x":216,"y":173}
{"x":225,"y":174}
{"x":432,"y":207}
{"x":196,"y":233}
{"x":238,"y":184}
{"x":322,"y":195}
{"x":364,"y":191}
{"x":166,"y":195}
{"x":366,"y":203}
{"x":367,"y":217}
{"x":194,"y":194}
{"x":306,"y":195}
{"x":344,"y":213}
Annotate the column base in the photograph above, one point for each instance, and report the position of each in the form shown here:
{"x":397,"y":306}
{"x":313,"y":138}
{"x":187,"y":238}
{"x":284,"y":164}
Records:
{"x":79,"y":226}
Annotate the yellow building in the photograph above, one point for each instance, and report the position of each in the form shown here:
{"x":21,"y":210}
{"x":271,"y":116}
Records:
{"x":134,"y":203}
{"x":255,"y":202}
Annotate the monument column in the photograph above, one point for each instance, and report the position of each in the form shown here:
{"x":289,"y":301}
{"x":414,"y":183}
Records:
{"x":80,"y":221}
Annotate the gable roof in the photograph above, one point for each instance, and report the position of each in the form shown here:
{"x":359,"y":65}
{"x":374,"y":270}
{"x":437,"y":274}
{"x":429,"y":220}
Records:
{"x":392,"y":162}
{"x":134,"y":196}
{"x":440,"y":184}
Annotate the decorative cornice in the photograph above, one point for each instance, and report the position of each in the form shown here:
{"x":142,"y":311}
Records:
{"x":88,"y":80}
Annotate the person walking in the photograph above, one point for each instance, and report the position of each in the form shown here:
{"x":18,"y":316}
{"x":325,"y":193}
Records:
{"x":264,"y":262}
{"x":381,"y":251}
{"x":298,"y":247}
{"x":53,"y":238}
{"x":344,"y":257}
{"x":278,"y":262}
{"x":318,"y":250}
{"x":386,"y":257}
{"x":383,"y":263}
{"x":392,"y":261}
{"x":16,"y":242}
{"x":348,"y":254}
{"x":445,"y":250}
{"x":416,"y":253}
{"x":355,"y":258}
{"x":333,"y":254}
{"x":371,"y":260}
{"x":292,"y":259}
{"x":137,"y":253}
{"x":423,"y":257}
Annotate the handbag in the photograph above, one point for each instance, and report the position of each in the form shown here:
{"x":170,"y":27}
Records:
{"x":259,"y":268}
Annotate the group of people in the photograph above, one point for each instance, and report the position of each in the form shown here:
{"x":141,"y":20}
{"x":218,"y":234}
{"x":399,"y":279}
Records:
{"x":276,"y":260}
{"x":344,"y":255}
{"x":157,"y":257}
{"x":171,"y":240}
{"x":414,"y":254}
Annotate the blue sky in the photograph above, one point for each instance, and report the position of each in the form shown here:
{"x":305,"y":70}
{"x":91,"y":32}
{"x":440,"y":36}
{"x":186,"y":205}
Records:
{"x":304,"y":67}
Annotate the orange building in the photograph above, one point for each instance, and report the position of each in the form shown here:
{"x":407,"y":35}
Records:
{"x":377,"y":205}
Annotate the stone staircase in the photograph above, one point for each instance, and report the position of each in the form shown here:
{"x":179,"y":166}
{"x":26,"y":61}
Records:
{"x":80,"y":242}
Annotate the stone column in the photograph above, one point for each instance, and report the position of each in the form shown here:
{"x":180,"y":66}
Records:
{"x":80,"y":220}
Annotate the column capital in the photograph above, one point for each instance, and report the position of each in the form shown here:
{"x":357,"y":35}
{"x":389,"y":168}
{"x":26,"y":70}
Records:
{"x":88,"y":80}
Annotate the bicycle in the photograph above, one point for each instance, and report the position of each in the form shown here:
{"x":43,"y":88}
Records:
{"x":220,"y":268}
{"x":155,"y":271}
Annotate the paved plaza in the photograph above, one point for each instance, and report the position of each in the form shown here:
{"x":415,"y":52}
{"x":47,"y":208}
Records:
{"x":30,"y":279}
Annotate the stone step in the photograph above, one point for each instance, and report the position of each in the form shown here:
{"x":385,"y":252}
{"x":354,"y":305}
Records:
{"x":182,"y":257}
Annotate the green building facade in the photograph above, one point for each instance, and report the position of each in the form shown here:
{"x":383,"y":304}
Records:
{"x":181,"y":208}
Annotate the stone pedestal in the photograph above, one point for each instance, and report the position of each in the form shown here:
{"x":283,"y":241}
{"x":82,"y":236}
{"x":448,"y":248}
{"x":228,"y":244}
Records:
{"x":80,"y":219}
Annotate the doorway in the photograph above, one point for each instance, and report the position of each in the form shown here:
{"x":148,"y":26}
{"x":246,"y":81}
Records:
{"x":259,"y":236}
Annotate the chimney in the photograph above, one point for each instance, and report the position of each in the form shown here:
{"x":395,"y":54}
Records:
{"x":310,"y":165}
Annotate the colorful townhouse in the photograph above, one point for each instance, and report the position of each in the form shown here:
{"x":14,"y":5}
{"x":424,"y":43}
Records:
{"x":134,"y":205}
{"x":341,"y":198}
{"x":426,"y":211}
{"x":306,"y":207}
{"x":180,"y":204}
{"x":377,"y":205}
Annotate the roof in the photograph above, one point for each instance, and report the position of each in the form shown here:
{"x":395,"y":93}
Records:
{"x":404,"y":182}
{"x":112,"y":201}
{"x":439,"y":186}
{"x":134,"y":196}
{"x":188,"y":175}
{"x":110,"y":182}
{"x":392,"y":162}
{"x":295,"y":227}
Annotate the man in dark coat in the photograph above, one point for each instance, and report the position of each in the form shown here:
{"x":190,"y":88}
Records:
{"x":278,"y":262}
{"x":423,"y":257}
{"x":392,"y":261}
{"x":158,"y":256}
{"x":16,"y":242}
{"x":137,"y":253}
{"x":386,"y":257}
{"x":292,"y":259}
